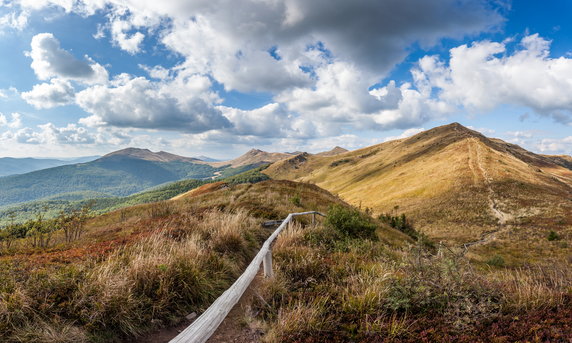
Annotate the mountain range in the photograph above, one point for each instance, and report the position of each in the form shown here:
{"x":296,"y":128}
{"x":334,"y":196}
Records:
{"x":119,"y":173}
{"x":11,"y":165}
{"x":455,"y":184}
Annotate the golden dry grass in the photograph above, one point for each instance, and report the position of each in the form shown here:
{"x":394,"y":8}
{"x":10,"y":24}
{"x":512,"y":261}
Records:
{"x":142,"y":267}
{"x":448,"y":180}
{"x":367,"y":291}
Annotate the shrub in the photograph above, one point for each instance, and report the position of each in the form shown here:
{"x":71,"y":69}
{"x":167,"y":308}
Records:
{"x":400,"y":223}
{"x":553,"y":236}
{"x":339,"y":162}
{"x":496,"y":261}
{"x":296,"y":200}
{"x":350,"y":222}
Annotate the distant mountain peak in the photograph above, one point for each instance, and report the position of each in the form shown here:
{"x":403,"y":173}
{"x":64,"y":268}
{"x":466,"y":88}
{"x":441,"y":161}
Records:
{"x":253,"y":156}
{"x":335,"y":151}
{"x":255,"y":152}
{"x":148,"y":155}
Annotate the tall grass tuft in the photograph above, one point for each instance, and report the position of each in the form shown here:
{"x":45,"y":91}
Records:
{"x":534,"y":288}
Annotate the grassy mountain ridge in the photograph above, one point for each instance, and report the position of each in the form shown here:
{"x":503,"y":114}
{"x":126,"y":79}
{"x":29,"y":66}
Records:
{"x":144,"y":267}
{"x":121,"y":173}
{"x":458,"y":186}
{"x":148,"y":155}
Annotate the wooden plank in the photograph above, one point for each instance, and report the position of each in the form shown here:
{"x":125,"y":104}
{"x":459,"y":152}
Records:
{"x":271,"y":223}
{"x":268,"y":265}
{"x":202,"y":328}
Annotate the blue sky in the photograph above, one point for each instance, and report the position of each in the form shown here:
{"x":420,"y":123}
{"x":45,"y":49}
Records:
{"x":219,"y":77}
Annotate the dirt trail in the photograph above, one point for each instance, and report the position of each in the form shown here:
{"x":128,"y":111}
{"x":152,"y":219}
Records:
{"x":216,"y":175}
{"x":232,"y":330}
{"x":493,"y":203}
{"x":564,"y":179}
{"x":476,"y":163}
{"x":472,"y":159}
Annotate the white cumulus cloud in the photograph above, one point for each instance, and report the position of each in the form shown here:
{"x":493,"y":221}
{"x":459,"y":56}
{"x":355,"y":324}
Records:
{"x":49,"y":60}
{"x":483,"y":75}
{"x":13,"y":123}
{"x":48,"y":95}
{"x":183,"y":104}
{"x":51,"y":134}
{"x":405,"y":134}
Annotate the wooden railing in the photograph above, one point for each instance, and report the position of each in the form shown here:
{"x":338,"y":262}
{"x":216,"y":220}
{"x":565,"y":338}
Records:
{"x":205,"y":325}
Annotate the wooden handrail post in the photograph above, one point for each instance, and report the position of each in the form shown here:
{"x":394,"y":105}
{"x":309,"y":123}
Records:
{"x":267,"y":262}
{"x":313,"y":218}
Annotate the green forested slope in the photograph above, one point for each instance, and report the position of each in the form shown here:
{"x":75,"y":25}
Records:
{"x":113,"y":176}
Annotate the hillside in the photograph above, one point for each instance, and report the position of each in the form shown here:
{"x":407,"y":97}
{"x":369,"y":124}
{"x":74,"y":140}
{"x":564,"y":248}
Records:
{"x":253,"y":157}
{"x":100,"y":203}
{"x":12,"y":166}
{"x":457,"y":185}
{"x":138,"y":268}
{"x":115,"y":176}
{"x":351,"y":277}
{"x":120,"y":173}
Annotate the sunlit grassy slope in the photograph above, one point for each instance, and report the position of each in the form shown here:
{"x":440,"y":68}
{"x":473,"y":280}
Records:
{"x":146,"y":266}
{"x":459,"y":187}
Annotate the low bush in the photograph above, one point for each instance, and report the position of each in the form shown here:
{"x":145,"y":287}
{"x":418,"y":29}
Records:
{"x":553,"y":236}
{"x":296,"y":201}
{"x":350,"y":222}
{"x":496,"y":261}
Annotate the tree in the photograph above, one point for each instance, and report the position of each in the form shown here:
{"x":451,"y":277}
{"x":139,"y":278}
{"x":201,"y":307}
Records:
{"x":73,"y":222}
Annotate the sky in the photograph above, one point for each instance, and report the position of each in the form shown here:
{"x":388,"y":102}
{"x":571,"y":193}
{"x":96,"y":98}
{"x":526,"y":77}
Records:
{"x":220,"y":77}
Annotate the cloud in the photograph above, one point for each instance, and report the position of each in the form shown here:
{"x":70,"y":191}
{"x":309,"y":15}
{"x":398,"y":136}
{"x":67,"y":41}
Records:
{"x":51,"y":135}
{"x":405,"y":134}
{"x":183,"y":104}
{"x":48,"y":95}
{"x":559,"y":146}
{"x":14,"y":123}
{"x":317,"y":60}
{"x":231,"y":40}
{"x":7,"y":93}
{"x":128,"y":42}
{"x":156,"y":72}
{"x":272,"y":120}
{"x":484,"y":75}
{"x":13,"y":20}
{"x":237,"y":64}
{"x":49,"y":60}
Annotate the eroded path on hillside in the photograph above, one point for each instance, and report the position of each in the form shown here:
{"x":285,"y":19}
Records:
{"x":477,"y":166}
{"x":234,"y":328}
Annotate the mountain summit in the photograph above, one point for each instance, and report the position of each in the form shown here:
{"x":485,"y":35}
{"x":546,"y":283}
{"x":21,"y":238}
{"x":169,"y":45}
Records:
{"x":148,"y":155}
{"x":456,"y":184}
{"x":253,"y":157}
{"x":335,"y":151}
